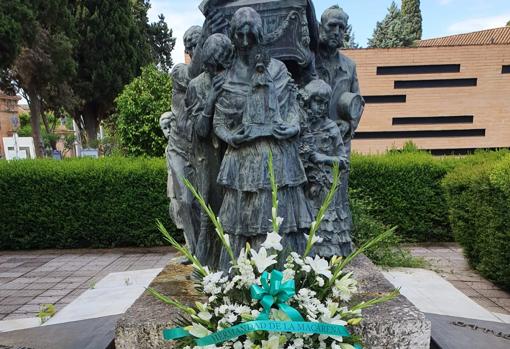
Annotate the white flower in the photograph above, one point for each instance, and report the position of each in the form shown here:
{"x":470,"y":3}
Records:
{"x":296,"y":258}
{"x":335,"y":320}
{"x":315,"y":239}
{"x":198,"y":330}
{"x":273,"y":240}
{"x":238,"y":345}
{"x":279,"y":221}
{"x":320,"y":266}
{"x":346,"y":346}
{"x":272,"y":343}
{"x":298,"y":343}
{"x":345,"y":287}
{"x":262,"y":260}
{"x":288,"y":274}
{"x":205,"y":315}
{"x":320,"y":281}
{"x":306,"y":268}
{"x":212,"y":283}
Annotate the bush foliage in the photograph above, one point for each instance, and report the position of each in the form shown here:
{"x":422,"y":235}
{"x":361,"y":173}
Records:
{"x":110,"y":202}
{"x":139,"y":108}
{"x":407,"y":190}
{"x":478,"y":193}
{"x":115,"y":202}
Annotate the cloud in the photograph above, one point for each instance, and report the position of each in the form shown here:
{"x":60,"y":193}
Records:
{"x":480,"y":23}
{"x":445,"y":2}
{"x":180,"y":15}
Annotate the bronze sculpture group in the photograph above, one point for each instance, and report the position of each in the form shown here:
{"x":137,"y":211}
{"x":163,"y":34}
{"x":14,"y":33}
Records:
{"x":244,"y":96}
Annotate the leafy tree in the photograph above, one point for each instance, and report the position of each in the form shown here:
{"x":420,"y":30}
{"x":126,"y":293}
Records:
{"x":13,"y":32}
{"x":508,"y":24}
{"x":412,"y":14}
{"x":41,"y":63}
{"x":349,"y":39}
{"x":393,"y":31}
{"x":138,"y":109}
{"x":115,"y":41}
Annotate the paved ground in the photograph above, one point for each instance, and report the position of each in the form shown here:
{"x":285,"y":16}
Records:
{"x":29,"y":279}
{"x":449,"y":262}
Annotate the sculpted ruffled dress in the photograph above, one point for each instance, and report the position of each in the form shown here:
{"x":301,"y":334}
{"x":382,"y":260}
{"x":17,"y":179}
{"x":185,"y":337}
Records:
{"x":246,"y":209}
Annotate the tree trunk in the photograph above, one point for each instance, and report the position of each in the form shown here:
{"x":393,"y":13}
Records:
{"x":90,"y":122}
{"x":35,"y":106}
{"x":48,"y":130}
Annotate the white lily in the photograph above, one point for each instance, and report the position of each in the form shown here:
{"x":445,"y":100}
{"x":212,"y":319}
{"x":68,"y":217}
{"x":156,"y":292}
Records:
{"x":320,"y":266}
{"x":315,"y":239}
{"x":273,"y":240}
{"x":198,"y":330}
{"x":262,"y":260}
{"x":345,"y":287}
{"x":205,"y":315}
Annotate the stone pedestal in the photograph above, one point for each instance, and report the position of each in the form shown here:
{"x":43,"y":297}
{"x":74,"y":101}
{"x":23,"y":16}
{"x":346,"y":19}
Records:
{"x":392,"y":325}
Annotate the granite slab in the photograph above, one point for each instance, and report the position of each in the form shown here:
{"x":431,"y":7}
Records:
{"x":449,"y":332}
{"x":86,"y":334}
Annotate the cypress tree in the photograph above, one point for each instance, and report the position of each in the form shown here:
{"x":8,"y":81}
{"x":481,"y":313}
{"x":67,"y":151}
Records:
{"x":111,"y":50}
{"x":392,"y":31}
{"x":412,"y":14}
{"x":350,"y":38}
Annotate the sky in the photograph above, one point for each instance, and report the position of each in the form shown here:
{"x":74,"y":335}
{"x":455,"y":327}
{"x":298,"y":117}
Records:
{"x":440,"y":17}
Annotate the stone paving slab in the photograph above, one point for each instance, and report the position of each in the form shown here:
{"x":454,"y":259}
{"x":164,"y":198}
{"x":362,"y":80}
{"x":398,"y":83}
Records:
{"x":448,"y":261}
{"x":432,"y":294}
{"x":30,"y":279}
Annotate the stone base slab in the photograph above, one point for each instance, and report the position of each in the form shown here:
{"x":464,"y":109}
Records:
{"x":397,"y":324}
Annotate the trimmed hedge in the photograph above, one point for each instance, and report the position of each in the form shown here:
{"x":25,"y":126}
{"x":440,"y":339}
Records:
{"x":478,"y":193}
{"x":77,"y":203}
{"x":407,"y":190}
{"x":114,"y":202}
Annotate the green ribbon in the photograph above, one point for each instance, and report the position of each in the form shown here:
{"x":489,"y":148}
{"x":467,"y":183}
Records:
{"x":268,"y":326}
{"x":276,"y":293}
{"x":175,"y":333}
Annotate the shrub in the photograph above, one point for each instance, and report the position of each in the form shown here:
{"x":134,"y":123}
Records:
{"x":406,"y":187}
{"x":139,"y":108}
{"x":387,"y":253}
{"x":478,"y":193}
{"x":82,"y":203}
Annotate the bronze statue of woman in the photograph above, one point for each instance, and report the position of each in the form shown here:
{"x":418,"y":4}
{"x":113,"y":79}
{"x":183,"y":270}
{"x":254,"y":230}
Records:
{"x":252,"y":134}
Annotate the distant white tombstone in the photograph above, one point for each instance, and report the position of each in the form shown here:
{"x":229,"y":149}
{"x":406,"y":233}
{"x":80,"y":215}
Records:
{"x":90,"y":153}
{"x":19,"y":148}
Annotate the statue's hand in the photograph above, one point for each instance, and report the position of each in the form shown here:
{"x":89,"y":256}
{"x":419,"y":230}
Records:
{"x":241,"y":136}
{"x":318,"y":158}
{"x":284,"y":131}
{"x":217,"y":85}
{"x":218,"y":22}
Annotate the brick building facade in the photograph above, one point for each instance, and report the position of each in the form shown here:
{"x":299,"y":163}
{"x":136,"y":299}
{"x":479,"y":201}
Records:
{"x":8,"y":109}
{"x":447,"y":95}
